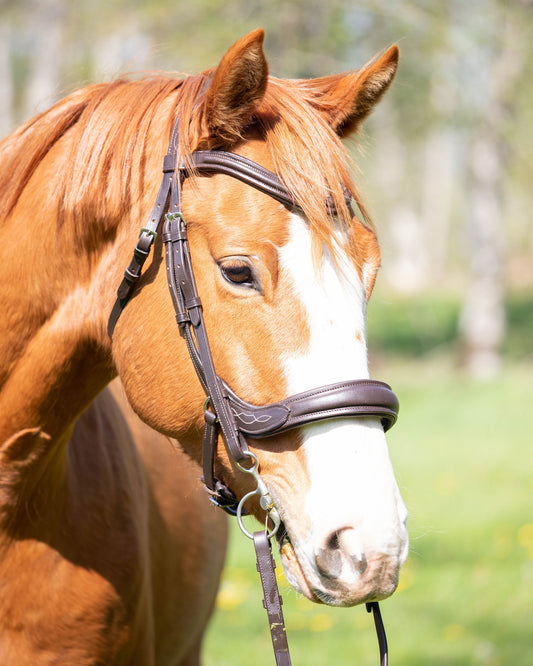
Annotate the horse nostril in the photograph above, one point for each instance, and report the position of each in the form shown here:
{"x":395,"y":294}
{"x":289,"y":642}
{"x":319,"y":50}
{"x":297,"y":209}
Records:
{"x":341,"y":554}
{"x":329,"y":560}
{"x":333,"y":541}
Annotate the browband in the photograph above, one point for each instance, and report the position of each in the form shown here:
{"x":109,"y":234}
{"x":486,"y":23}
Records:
{"x":230,"y":164}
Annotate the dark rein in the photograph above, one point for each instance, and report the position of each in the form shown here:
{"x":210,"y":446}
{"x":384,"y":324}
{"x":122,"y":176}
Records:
{"x":224,"y":411}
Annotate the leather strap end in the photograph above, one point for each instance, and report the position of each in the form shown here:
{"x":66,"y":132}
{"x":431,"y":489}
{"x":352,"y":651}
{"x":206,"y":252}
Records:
{"x":125,"y":288}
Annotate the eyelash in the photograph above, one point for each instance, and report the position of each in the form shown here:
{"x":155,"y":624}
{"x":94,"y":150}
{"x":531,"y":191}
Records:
{"x":239,"y":273}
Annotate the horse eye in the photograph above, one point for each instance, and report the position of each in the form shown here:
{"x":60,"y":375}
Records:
{"x":237,"y":272}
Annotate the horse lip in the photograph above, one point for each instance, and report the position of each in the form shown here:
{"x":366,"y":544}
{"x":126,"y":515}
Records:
{"x":300,"y":583}
{"x":287,"y":551}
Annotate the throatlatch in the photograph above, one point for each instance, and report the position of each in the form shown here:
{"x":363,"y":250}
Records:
{"x":224,"y":411}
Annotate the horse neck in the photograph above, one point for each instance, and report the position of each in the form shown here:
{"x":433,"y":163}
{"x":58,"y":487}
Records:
{"x":52,"y":363}
{"x":58,"y":290}
{"x":55,"y":355}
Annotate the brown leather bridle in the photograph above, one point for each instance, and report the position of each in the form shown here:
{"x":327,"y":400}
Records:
{"x":224,"y":411}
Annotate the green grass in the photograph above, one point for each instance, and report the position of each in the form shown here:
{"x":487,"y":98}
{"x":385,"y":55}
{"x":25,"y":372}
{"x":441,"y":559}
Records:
{"x":462,"y":452}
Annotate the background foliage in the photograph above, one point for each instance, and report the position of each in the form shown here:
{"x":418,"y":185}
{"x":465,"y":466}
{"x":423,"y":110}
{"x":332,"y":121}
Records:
{"x":445,"y":162}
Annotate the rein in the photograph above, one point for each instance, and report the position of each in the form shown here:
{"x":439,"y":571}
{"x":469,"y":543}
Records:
{"x":224,"y":411}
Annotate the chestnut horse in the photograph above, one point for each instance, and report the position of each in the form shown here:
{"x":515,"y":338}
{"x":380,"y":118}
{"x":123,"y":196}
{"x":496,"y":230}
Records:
{"x":107,"y":553}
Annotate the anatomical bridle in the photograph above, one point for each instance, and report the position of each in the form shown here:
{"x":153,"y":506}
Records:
{"x":224,"y":411}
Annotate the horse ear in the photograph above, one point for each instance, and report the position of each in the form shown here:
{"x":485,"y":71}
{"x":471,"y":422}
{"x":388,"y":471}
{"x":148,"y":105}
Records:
{"x":236,"y":89}
{"x":347,"y":99}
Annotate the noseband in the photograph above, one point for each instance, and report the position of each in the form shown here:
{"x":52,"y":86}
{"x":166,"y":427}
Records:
{"x":224,"y":411}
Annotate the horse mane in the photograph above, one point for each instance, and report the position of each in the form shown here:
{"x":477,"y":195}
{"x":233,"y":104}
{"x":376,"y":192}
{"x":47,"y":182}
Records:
{"x":104,"y":172}
{"x":311,"y":159}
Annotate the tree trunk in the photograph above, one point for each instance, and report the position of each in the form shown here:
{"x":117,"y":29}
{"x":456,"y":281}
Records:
{"x":404,"y":244}
{"x":482,"y":323}
{"x":47,"y":55}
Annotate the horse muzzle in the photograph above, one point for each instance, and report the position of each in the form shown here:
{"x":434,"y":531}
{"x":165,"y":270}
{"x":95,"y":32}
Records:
{"x":338,"y":572}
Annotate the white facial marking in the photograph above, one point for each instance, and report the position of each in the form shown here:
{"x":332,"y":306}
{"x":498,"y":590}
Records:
{"x":352,"y":485}
{"x":335,"y":305}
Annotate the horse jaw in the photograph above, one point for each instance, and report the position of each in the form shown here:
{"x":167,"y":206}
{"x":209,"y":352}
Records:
{"x":347,"y":534}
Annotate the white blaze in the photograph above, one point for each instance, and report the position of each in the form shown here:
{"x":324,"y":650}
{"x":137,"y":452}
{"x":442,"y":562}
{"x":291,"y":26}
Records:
{"x":351,"y":479}
{"x":335,"y":306}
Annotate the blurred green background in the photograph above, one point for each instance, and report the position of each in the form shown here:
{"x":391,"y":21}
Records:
{"x":445,"y":165}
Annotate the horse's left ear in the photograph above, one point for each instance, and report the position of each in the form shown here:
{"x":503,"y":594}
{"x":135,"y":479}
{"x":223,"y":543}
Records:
{"x":347,"y":99}
{"x":237,"y":88}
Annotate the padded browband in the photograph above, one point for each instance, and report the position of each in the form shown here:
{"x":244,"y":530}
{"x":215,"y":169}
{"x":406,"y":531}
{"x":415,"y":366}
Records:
{"x":357,"y":398}
{"x":241,"y":168}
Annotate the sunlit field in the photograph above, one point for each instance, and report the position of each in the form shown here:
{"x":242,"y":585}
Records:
{"x":462,"y":451}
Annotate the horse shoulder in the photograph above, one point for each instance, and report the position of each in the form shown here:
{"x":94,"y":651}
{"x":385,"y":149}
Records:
{"x":188,"y":538}
{"x":93,"y":540}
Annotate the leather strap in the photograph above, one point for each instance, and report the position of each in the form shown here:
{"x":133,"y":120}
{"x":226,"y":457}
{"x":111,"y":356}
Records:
{"x":219,"y":493}
{"x":357,"y":398}
{"x":147,"y":237}
{"x":236,"y":166}
{"x":272,"y":600}
{"x":373,"y":607}
{"x":185,"y":295}
{"x":272,"y":603}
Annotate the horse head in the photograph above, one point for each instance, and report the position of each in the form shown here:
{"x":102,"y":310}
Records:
{"x":284,"y":292}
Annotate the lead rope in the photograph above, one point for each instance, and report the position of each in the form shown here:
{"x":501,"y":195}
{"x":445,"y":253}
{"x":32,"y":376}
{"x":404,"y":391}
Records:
{"x":373,"y":607}
{"x":272,"y":600}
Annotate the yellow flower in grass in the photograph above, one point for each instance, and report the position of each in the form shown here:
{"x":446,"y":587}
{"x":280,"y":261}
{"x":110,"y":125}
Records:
{"x":453,"y":632}
{"x":281,"y":578}
{"x":525,"y":538}
{"x":320,"y":622}
{"x":230,"y":595}
{"x":407,"y":577}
